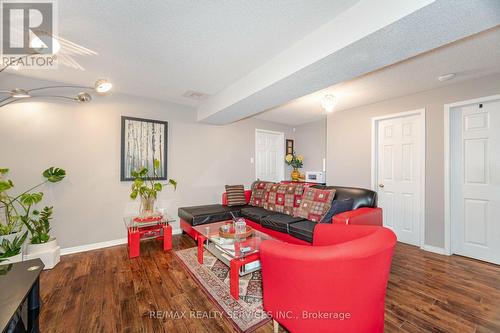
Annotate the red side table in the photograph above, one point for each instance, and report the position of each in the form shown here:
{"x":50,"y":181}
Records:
{"x":137,"y":231}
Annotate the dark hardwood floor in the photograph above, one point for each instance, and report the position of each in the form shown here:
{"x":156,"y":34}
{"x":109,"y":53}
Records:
{"x":104,"y":291}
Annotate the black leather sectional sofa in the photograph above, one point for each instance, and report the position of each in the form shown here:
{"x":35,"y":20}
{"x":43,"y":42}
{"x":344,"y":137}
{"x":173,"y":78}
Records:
{"x":297,"y":227}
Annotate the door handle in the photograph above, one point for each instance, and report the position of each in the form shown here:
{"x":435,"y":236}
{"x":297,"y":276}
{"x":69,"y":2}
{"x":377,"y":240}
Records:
{"x":380,"y":185}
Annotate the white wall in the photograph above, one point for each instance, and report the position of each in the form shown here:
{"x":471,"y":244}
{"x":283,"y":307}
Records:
{"x":310,"y":141}
{"x":85,"y":140}
{"x":349,"y":143}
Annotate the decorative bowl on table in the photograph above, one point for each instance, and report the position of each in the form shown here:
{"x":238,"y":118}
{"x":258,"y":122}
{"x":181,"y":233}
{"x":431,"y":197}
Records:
{"x":230,"y":232}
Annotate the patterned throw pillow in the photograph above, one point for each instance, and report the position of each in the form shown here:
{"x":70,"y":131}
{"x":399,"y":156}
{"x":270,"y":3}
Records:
{"x":235,"y":195}
{"x":284,"y":198}
{"x":259,"y":193}
{"x":315,"y":204}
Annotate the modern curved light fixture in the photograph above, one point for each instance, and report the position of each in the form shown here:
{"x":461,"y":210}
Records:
{"x":84,"y":97}
{"x":38,"y":46}
{"x":101,"y":86}
{"x":328,"y":103}
{"x":19,"y":93}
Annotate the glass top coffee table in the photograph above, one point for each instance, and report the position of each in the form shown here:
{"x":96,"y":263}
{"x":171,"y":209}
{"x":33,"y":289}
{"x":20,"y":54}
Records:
{"x":240,"y":254}
{"x":158,"y":228}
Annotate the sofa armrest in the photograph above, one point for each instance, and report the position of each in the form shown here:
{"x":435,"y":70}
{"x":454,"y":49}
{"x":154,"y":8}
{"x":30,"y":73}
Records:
{"x":360,"y":216}
{"x":248,"y":193}
{"x":331,"y":234}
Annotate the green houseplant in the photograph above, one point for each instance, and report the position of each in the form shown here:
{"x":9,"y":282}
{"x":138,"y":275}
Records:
{"x":10,"y":249}
{"x":20,"y":210}
{"x":147,"y":188}
{"x":9,"y":225}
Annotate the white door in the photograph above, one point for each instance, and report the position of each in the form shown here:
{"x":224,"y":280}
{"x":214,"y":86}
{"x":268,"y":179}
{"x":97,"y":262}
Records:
{"x":475,"y":209}
{"x":269,"y":155}
{"x":399,"y":161}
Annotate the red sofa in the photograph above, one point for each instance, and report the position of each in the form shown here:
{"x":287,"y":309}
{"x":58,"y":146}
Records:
{"x":338,"y":285}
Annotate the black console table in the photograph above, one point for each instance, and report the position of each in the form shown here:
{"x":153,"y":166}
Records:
{"x":19,"y":296}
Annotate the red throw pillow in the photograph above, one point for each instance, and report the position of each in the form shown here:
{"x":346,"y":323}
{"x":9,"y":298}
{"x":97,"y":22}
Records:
{"x":259,"y":193}
{"x":315,"y":204}
{"x":284,"y":198}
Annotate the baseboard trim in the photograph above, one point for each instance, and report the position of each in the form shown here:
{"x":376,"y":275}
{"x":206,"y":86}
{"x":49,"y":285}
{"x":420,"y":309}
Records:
{"x":102,"y":245}
{"x":434,"y":249}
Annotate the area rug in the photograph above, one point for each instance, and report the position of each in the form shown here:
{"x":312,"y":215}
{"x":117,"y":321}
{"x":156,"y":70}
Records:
{"x":246,"y":314}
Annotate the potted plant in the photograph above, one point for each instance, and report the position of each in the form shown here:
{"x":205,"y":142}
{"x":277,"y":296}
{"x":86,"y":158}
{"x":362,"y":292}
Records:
{"x":10,"y":228}
{"x":41,"y":245}
{"x":10,"y":250}
{"x":296,"y":162}
{"x":22,"y":208}
{"x":147,"y":188}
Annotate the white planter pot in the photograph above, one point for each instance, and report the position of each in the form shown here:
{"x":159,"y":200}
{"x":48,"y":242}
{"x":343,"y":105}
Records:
{"x":13,"y":259}
{"x":49,"y":253}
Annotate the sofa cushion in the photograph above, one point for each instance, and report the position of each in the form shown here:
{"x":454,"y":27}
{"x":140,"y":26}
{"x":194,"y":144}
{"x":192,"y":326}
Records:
{"x":198,"y":215}
{"x":302,"y":230}
{"x":255,"y":213}
{"x":284,"y":198}
{"x":235,"y":195}
{"x":362,"y":197}
{"x":279,"y":222}
{"x":338,"y":206}
{"x":259,"y":193}
{"x":315,"y":204}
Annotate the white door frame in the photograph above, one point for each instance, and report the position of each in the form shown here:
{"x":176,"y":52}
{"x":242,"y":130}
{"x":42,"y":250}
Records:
{"x":447,"y":163}
{"x":374,"y":159}
{"x":282,"y":170}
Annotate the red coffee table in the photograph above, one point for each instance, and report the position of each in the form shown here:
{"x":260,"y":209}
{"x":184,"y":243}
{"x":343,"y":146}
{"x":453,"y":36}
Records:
{"x":229,"y":251}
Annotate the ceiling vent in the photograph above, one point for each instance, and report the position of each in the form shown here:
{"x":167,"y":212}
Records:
{"x":196,"y":95}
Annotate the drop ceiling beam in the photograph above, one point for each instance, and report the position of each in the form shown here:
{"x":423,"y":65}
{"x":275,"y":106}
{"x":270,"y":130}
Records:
{"x":396,"y":34}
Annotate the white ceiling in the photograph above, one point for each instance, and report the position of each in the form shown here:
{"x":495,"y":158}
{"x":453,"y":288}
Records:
{"x":161,"y":49}
{"x":470,"y":58}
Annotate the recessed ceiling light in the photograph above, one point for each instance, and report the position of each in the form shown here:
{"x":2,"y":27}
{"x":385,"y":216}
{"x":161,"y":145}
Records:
{"x":328,"y":103}
{"x":446,"y":77}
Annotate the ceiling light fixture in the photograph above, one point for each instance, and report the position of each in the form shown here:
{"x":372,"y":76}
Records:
{"x":446,"y":77}
{"x":19,"y":93}
{"x":102,"y":86}
{"x":83,"y":97}
{"x":328,"y":103}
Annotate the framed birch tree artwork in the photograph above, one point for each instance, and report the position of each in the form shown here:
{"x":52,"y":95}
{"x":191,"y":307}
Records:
{"x":142,"y":142}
